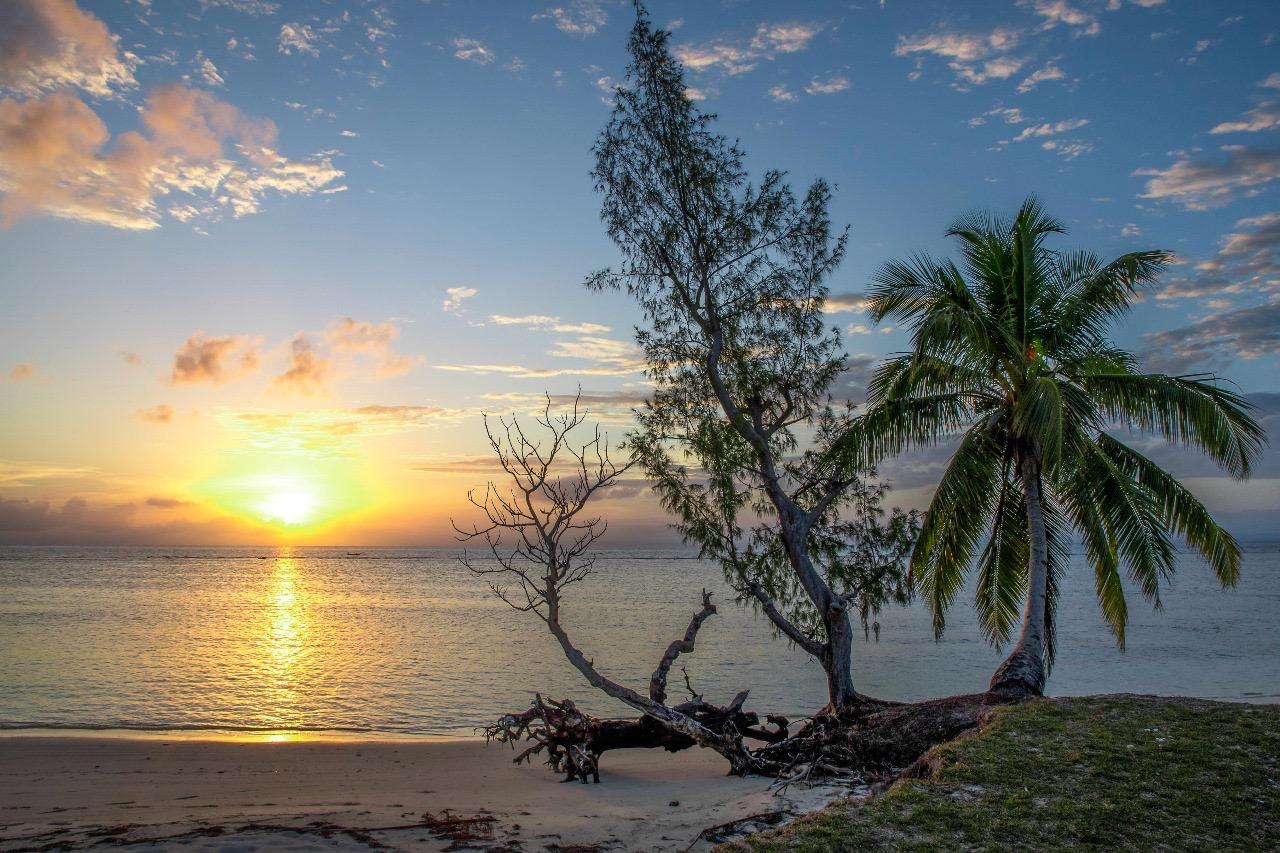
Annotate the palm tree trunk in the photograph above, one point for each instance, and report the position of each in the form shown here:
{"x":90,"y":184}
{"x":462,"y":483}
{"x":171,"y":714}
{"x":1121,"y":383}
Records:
{"x":1023,"y":671}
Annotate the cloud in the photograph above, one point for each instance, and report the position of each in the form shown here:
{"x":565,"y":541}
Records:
{"x":1130,"y":230}
{"x":962,"y":47}
{"x":736,"y":57}
{"x":329,"y":433}
{"x":608,"y":357}
{"x":131,"y":358}
{"x":1265,"y":116}
{"x":1050,"y":71}
{"x":455,"y":297}
{"x":579,"y":18}
{"x":542,"y":321}
{"x":1050,"y":129}
{"x":255,"y":8}
{"x":161,"y":414}
{"x":24,"y":474}
{"x":1000,"y":68}
{"x":208,"y":71}
{"x":1216,"y":340}
{"x":841,"y":302}
{"x":21,"y":372}
{"x":297,"y":38}
{"x":1271,"y":82}
{"x":374,"y":339}
{"x":781,"y":93}
{"x":1203,"y":185}
{"x":612,"y":407}
{"x":198,"y":153}
{"x":308,"y":372}
{"x":833,"y":84}
{"x":215,"y":360}
{"x":78,"y":521}
{"x":52,"y":44}
{"x":966,"y":50}
{"x":472,"y":51}
{"x":1009,"y":115}
{"x":1055,"y":12}
{"x":1067,"y":150}
{"x":1248,"y":261}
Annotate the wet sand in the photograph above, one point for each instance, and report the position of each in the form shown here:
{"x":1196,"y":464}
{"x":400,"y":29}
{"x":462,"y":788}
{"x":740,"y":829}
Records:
{"x":71,"y":792}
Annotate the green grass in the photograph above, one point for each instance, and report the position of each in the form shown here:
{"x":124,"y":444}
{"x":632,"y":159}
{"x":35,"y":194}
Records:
{"x":1111,"y":772}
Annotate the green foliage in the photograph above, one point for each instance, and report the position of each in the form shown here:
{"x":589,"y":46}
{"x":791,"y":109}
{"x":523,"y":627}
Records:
{"x":731,"y":277}
{"x":1010,"y":357}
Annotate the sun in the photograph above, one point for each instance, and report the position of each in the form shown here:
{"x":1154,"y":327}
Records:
{"x":291,"y":504}
{"x":295,"y":496}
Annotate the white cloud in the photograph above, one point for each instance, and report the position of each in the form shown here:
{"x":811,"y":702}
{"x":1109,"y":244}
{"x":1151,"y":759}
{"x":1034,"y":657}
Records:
{"x":1265,"y":116}
{"x":297,"y":38}
{"x":1050,"y":129}
{"x":975,"y":58}
{"x":579,"y":18}
{"x":1009,"y":115}
{"x":781,"y":93}
{"x":472,"y":51}
{"x":208,"y":71}
{"x":1080,"y":21}
{"x":963,"y":47}
{"x":1049,"y":71}
{"x":455,"y":296}
{"x":543,"y":321}
{"x":833,"y":84}
{"x":1200,"y":185}
{"x":735,"y":57}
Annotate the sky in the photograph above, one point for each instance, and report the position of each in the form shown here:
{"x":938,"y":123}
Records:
{"x":264,"y":264}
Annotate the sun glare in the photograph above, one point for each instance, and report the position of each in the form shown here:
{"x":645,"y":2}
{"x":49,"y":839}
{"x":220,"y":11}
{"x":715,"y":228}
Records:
{"x":289,"y":504}
{"x":294,"y":496}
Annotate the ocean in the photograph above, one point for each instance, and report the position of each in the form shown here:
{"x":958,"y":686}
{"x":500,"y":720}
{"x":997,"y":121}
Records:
{"x":408,"y":642}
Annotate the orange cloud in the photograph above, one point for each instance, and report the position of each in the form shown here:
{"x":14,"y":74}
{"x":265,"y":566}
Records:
{"x":21,"y":372}
{"x":348,"y":335}
{"x":309,"y":372}
{"x":206,"y":359}
{"x":50,"y":44}
{"x":161,"y":414}
{"x":201,"y":153}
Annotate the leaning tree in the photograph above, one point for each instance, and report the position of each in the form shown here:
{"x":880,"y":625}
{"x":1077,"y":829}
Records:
{"x":1010,"y":356}
{"x":731,"y":278}
{"x":539,"y":531}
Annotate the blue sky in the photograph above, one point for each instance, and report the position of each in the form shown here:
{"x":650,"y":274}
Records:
{"x":370,"y":220}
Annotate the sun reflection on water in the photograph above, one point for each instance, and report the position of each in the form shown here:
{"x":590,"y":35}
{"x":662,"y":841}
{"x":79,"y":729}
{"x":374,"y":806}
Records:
{"x":286,"y":638}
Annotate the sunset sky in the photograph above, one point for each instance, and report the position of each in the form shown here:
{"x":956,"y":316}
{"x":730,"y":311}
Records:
{"x":265,"y":263}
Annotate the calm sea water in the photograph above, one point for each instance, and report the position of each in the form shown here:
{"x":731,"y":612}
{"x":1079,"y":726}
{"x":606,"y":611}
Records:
{"x":409,"y":642}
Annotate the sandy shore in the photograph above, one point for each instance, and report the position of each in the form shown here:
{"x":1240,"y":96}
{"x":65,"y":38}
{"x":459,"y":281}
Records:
{"x":73,"y":792}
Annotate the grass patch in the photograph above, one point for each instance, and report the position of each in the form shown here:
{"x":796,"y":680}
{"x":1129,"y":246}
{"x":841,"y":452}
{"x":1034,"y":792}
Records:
{"x":1109,"y":772}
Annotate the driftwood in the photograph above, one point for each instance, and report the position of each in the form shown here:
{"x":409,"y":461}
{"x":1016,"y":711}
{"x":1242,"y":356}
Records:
{"x":878,"y":740}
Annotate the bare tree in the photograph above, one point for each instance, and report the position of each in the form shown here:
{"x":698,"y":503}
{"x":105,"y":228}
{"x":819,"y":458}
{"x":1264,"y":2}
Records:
{"x":539,"y":532}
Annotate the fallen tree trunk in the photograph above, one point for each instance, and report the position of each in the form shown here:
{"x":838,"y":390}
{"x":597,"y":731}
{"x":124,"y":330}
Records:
{"x":875,"y":738}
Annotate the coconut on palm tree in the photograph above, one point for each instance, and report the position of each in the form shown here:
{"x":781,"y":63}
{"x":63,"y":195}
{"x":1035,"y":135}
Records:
{"x":1011,"y":357}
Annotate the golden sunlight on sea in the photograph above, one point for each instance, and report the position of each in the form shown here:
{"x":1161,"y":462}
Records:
{"x":285,"y":635}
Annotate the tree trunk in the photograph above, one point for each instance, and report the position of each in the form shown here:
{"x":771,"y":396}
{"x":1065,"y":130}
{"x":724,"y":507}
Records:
{"x":839,"y":665}
{"x":1023,"y":672}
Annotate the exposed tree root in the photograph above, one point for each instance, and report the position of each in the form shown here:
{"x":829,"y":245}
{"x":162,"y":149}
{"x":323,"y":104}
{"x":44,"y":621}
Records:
{"x":870,"y":739}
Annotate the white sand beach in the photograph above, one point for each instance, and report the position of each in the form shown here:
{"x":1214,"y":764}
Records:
{"x":69,"y":792}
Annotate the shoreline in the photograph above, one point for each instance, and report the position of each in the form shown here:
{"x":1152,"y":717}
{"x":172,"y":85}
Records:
{"x":76,"y":791}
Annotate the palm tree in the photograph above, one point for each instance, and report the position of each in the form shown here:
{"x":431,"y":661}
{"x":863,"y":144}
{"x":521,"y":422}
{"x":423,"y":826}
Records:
{"x":1011,"y":357}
